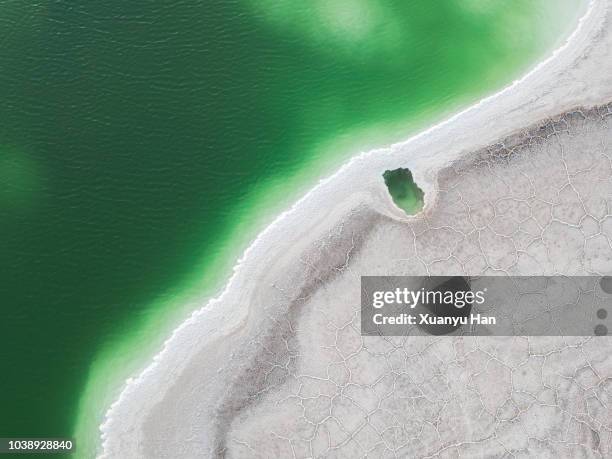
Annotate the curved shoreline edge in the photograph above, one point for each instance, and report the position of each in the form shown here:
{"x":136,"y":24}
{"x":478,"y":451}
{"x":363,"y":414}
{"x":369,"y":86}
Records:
{"x":425,"y":167}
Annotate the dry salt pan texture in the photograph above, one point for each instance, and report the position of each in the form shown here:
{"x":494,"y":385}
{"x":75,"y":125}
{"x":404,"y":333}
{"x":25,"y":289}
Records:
{"x":276,"y":367}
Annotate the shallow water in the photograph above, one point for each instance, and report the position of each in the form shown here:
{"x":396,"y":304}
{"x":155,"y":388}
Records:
{"x":142,"y":145}
{"x":405,"y":193}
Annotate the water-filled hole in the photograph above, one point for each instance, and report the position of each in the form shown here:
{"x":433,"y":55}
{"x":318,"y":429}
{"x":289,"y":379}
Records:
{"x":404,"y":191}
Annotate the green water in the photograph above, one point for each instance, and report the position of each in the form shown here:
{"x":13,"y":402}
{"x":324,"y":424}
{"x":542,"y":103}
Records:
{"x":405,"y":193}
{"x":143,"y":144}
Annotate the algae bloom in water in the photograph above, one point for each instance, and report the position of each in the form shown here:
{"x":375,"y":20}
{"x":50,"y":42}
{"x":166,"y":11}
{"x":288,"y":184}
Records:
{"x":405,"y":192}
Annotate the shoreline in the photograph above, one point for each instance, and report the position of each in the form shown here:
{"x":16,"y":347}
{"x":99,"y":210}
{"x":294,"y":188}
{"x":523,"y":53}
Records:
{"x":425,"y":168}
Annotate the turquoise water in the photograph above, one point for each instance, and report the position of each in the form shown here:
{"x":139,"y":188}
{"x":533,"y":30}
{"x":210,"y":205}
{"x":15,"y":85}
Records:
{"x":142,"y":145}
{"x":405,"y":193}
